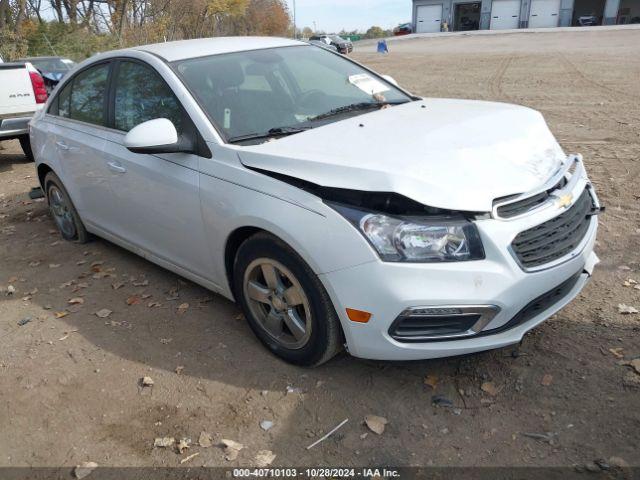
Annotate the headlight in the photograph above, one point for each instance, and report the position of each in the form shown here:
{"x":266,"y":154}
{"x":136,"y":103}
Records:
{"x":397,"y":239}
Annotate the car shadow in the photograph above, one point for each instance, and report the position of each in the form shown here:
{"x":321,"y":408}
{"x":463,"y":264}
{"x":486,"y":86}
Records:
{"x":10,"y":157}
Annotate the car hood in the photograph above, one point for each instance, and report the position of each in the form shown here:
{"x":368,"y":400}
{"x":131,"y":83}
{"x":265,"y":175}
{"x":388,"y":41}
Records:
{"x":450,"y":154}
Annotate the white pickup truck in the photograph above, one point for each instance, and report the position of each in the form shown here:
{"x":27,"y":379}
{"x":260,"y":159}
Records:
{"x":23,"y":93}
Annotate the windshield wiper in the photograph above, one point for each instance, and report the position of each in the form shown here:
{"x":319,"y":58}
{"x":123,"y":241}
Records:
{"x":354,"y":107}
{"x":274,"y":132}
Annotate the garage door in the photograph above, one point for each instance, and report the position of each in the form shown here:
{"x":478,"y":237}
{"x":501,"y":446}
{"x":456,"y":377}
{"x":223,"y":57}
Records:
{"x":505,"y":14}
{"x":429,"y":18}
{"x":544,"y":13}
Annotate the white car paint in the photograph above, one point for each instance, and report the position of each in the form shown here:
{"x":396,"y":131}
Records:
{"x":492,"y":149}
{"x":17,"y":99}
{"x":179,"y":210}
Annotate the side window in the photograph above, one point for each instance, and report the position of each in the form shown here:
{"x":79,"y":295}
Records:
{"x":88,"y":94}
{"x":64,"y":101}
{"x":142,"y":95}
{"x":60,"y":104}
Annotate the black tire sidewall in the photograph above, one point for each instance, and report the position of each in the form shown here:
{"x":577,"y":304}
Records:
{"x":322,"y":313}
{"x":81,"y":235}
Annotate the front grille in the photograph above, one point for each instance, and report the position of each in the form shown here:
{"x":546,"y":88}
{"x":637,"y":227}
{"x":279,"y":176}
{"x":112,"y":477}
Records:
{"x":555,"y":238}
{"x":525,"y":205}
{"x":537,"y":306}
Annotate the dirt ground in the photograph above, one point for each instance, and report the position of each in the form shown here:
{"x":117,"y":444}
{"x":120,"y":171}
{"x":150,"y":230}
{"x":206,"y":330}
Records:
{"x":69,"y":386}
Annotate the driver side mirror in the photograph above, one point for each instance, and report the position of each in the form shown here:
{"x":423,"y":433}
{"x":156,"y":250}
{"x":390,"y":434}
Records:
{"x":157,"y":136}
{"x":391,"y":80}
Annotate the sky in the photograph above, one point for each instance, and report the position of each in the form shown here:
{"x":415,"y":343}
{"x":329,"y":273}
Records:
{"x":334,"y":15}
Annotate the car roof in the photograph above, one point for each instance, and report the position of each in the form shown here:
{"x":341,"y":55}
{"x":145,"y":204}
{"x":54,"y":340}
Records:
{"x":203,"y":47}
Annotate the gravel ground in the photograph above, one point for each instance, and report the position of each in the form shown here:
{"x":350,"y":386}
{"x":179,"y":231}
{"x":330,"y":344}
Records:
{"x":69,"y":386}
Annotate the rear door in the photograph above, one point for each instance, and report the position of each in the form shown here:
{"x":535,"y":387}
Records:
{"x":429,"y":18}
{"x":77,"y":119}
{"x":505,"y":14}
{"x":157,"y":196}
{"x":544,"y":13}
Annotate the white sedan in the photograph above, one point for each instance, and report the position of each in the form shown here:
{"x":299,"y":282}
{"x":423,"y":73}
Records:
{"x":336,"y":208}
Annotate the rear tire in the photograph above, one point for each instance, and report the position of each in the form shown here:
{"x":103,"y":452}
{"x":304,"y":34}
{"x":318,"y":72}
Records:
{"x":288,"y":310}
{"x":25,"y":143}
{"x":63,"y":211}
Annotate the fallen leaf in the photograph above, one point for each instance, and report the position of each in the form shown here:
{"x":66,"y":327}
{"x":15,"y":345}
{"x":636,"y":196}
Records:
{"x":264,"y":458}
{"x":205,"y":440}
{"x":146,"y":382}
{"x":635,"y":364}
{"x":183,"y":444}
{"x":84,"y":469}
{"x":117,"y":285}
{"x":166,"y":341}
{"x":182,"y":308}
{"x":143,"y":283}
{"x":376,"y":424}
{"x":154,"y":305}
{"x":431,"y":381}
{"x":54,"y":265}
{"x":76,"y":301}
{"x":133,"y":300}
{"x":186,"y":459}
{"x":547,"y":379}
{"x":626,"y":309}
{"x":104,"y":313}
{"x":231,"y":449}
{"x":61,"y":314}
{"x":164,"y":442}
{"x":34,"y":264}
{"x":81,"y":262}
{"x":490,"y":388}
{"x":617,"y":352}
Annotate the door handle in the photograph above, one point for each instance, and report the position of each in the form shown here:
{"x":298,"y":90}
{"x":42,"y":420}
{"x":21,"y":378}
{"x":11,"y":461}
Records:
{"x":116,"y":167}
{"x":63,"y":146}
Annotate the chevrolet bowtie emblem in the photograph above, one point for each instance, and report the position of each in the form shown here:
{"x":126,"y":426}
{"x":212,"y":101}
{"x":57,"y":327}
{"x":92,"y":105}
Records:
{"x":565,"y":201}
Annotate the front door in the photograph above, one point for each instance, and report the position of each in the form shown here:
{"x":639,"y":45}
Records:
{"x":157,"y":196}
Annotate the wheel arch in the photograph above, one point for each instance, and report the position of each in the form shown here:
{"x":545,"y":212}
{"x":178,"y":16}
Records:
{"x":43,"y":170}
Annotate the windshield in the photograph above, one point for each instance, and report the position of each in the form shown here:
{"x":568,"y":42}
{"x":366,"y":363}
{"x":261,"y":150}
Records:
{"x":337,"y":39}
{"x":287,"y":88}
{"x":53,"y":65}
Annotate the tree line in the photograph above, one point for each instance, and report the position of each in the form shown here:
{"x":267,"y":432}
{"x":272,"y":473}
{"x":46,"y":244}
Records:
{"x":80,"y":28}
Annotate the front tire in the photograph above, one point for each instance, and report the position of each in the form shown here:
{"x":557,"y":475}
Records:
{"x":285,"y":303}
{"x":63,"y":211}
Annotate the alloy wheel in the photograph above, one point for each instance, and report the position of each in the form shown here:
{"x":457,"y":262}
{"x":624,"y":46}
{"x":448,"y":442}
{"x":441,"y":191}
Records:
{"x":278,"y":302}
{"x":61,"y":211}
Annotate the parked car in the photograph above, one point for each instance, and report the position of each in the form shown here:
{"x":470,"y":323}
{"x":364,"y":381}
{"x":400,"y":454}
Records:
{"x":588,"y":21}
{"x":320,"y":43}
{"x":52,"y":69}
{"x":344,"y":46}
{"x":404,"y":29}
{"x":22,"y":94}
{"x":335,"y":207}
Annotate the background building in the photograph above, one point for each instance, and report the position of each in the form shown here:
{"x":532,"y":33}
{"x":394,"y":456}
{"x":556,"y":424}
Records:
{"x":429,"y":15}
